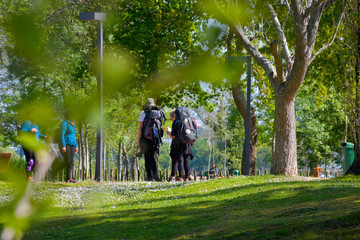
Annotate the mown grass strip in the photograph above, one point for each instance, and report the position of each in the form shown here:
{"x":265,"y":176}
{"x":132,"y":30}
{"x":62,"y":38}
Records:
{"x":266,"y":207}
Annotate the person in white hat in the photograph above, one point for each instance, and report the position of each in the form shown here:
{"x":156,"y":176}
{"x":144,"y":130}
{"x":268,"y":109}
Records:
{"x":149,"y":136}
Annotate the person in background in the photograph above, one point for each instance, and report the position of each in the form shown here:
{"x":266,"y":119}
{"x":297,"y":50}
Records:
{"x":149,"y":136}
{"x":180,"y":153}
{"x":67,"y":144}
{"x":174,"y":160}
{"x":317,"y":171}
{"x":30,"y":135}
{"x":214,"y":172}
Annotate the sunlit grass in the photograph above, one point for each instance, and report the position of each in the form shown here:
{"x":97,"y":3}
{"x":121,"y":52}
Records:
{"x":241,"y":207}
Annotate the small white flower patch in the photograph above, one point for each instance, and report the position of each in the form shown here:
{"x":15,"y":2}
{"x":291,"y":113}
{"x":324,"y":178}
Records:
{"x":6,"y":196}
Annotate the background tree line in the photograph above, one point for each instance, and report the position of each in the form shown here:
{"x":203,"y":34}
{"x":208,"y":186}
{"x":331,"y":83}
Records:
{"x":176,"y":51}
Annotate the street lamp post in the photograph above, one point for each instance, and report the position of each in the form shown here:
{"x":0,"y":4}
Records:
{"x":99,"y":17}
{"x":246,"y":59}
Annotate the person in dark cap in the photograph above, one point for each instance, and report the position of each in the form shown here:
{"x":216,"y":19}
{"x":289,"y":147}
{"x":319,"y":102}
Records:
{"x":149,"y":136}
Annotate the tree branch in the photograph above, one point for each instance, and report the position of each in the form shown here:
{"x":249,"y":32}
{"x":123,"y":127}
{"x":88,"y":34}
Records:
{"x":245,"y":41}
{"x":68,"y":5}
{"x":265,"y":39}
{"x":328,"y":4}
{"x":239,"y":99}
{"x":229,"y":39}
{"x":278,"y":63}
{"x":284,"y":23}
{"x":314,"y":6}
{"x":299,"y":26}
{"x":289,"y":8}
{"x":281,"y":35}
{"x":333,"y":37}
{"x":297,"y":10}
{"x":257,"y":56}
{"x":263,"y":36}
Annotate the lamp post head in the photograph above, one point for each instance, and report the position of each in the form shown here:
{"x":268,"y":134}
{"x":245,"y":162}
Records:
{"x":93,"y":16}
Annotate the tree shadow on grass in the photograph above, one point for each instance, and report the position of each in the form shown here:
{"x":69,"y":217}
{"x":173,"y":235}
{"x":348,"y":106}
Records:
{"x":304,"y":213}
{"x":254,"y":191}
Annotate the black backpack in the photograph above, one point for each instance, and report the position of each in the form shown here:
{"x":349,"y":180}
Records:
{"x":186,"y":126}
{"x":152,"y":124}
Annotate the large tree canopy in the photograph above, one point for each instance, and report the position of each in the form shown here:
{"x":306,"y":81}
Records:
{"x":287,"y":68}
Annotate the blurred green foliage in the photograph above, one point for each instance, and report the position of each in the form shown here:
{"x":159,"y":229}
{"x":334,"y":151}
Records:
{"x":17,"y":163}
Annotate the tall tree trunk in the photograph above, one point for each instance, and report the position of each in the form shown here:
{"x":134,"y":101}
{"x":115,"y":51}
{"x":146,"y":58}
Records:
{"x":126,"y":159}
{"x":81,"y":151}
{"x":104,"y":160}
{"x":83,"y":158}
{"x":355,"y":167}
{"x":346,"y":95}
{"x":273,"y":145}
{"x":109,"y":160}
{"x":209,"y":162}
{"x":356,"y":164}
{"x":285,"y":142}
{"x":90,"y":168}
{"x":212,"y":144}
{"x":87,"y":159}
{"x":119,"y":160}
{"x":134,"y":165}
{"x":240,"y":101}
{"x":225,"y":167}
{"x":209,"y":144}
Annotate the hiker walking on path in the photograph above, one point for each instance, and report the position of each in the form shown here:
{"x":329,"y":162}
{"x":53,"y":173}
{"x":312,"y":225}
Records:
{"x":184,"y":134}
{"x":67,"y":144}
{"x":174,"y":160}
{"x":149,"y":137}
{"x":30,"y":134}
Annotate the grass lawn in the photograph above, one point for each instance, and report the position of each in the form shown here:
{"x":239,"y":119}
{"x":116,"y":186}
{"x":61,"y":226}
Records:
{"x":265,"y":207}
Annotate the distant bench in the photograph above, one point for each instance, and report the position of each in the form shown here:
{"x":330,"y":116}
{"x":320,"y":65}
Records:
{"x":5,"y":161}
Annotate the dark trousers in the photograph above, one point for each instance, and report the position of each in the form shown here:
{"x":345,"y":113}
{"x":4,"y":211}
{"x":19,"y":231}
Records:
{"x":180,"y":164}
{"x":69,"y":156}
{"x":180,"y":155}
{"x":28,"y":156}
{"x":151,"y":157}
